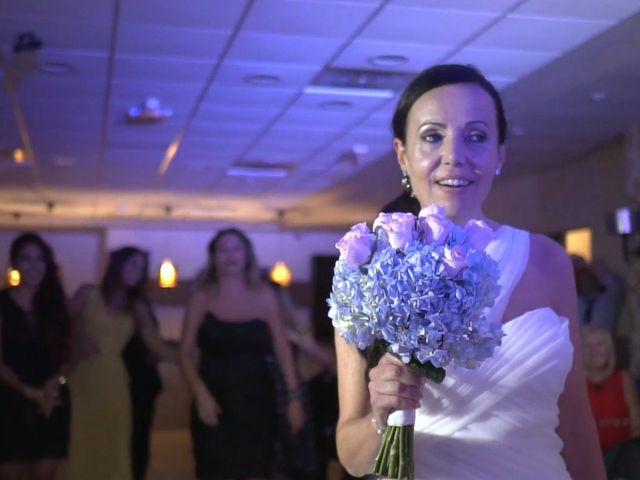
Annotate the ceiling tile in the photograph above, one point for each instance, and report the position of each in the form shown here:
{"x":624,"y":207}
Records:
{"x":580,"y":9}
{"x":235,"y":114}
{"x":57,"y":34}
{"x":538,"y":34}
{"x":177,"y":96}
{"x":161,"y":41}
{"x":287,"y":49}
{"x":359,"y":100}
{"x":287,"y":75}
{"x":225,"y":129}
{"x":67,"y":10}
{"x":321,"y":19}
{"x":160,"y":70}
{"x":486,"y":6}
{"x":425,"y":26}
{"x":500,"y":62}
{"x":249,"y":96}
{"x":211,"y":14}
{"x":359,"y":55}
{"x":320,"y":118}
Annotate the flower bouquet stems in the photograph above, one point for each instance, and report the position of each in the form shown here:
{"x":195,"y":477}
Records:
{"x":395,"y":458}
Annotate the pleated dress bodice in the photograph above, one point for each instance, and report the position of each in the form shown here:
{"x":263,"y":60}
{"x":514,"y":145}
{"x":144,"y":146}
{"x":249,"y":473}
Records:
{"x":498,"y":422}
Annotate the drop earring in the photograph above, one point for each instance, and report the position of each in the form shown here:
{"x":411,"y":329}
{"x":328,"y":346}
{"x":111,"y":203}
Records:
{"x":406,"y":184}
{"x":498,"y":171}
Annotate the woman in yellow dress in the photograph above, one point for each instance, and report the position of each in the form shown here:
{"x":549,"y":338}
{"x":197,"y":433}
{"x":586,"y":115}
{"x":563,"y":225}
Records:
{"x":105,"y":319}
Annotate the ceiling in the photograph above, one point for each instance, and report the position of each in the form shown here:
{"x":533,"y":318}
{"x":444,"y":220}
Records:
{"x":254,"y":84}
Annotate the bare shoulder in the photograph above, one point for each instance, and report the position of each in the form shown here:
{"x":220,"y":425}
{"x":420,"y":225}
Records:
{"x":554,"y":269}
{"x":266,"y":294}
{"x":199,"y":300}
{"x":549,"y":256}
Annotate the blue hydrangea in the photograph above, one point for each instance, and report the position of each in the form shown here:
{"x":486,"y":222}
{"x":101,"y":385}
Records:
{"x":420,"y":311}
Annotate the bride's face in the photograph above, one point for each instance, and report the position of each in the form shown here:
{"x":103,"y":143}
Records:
{"x":452,"y":150}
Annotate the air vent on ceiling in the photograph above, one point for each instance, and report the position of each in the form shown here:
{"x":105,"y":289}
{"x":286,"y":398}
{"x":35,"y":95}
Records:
{"x":362,"y":79}
{"x":149,"y":112}
{"x":259,"y":169}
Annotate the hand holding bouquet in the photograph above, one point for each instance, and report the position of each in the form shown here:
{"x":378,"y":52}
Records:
{"x":416,"y":287}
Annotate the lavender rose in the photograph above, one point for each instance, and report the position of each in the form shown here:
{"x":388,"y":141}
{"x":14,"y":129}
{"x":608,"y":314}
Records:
{"x":355,"y":246}
{"x":399,"y":227}
{"x":480,"y":234}
{"x":454,"y":259}
{"x":434,"y":224}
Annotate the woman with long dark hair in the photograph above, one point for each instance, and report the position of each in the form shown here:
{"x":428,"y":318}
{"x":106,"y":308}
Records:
{"x":105,"y":319}
{"x":233,"y":330}
{"x":523,"y":413}
{"x":34,"y":351}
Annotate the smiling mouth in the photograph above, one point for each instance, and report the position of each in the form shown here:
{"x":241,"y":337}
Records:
{"x":453,"y":182}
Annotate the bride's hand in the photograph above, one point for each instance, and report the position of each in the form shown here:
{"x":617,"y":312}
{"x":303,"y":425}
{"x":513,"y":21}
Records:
{"x":393,"y":386}
{"x":207,"y":407}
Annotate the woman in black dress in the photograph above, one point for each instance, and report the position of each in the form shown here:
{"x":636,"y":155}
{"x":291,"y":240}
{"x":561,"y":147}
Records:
{"x":34,"y":351}
{"x":233,"y":323}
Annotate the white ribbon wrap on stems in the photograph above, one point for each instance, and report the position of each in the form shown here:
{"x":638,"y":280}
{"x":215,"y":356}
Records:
{"x":398,"y":418}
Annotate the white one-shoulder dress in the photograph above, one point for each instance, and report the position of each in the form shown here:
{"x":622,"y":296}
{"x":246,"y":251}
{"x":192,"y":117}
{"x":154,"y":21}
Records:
{"x":498,"y":422}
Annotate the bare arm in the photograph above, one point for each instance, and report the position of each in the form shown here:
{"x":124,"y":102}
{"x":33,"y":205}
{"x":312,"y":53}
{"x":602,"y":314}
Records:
{"x":208,"y":408}
{"x":82,"y":345}
{"x":633,"y":404}
{"x":312,"y":349}
{"x":151,"y":336}
{"x":392,"y":386}
{"x":282,"y":349}
{"x":581,"y":451}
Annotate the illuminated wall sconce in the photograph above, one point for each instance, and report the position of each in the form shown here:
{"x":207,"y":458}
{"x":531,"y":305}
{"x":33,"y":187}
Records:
{"x":579,"y":242}
{"x":280,"y":274}
{"x":168,"y":274}
{"x":13,"y":277}
{"x":624,"y":222}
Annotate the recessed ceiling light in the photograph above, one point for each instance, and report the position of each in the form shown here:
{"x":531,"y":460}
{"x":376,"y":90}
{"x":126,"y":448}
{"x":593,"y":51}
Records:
{"x":336,"y":105}
{"x":57,"y":68}
{"x":388,"y":60}
{"x":598,"y":96}
{"x":262,"y":80}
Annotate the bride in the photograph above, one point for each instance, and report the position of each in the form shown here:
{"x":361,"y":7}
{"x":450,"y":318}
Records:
{"x":524,"y":413}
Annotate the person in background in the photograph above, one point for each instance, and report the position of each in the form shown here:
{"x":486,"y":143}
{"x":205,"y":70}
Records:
{"x":600,"y":293}
{"x":34,"y":352}
{"x":612,"y":393}
{"x":232,"y":329}
{"x":145,"y":384}
{"x":300,"y":456}
{"x":105,"y":319}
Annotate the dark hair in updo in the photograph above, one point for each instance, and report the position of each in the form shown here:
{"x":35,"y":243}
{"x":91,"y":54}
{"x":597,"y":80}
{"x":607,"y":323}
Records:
{"x":439,"y":76}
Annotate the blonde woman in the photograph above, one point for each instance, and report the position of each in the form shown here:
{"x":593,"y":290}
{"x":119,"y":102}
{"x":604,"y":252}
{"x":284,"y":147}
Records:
{"x":612,"y":393}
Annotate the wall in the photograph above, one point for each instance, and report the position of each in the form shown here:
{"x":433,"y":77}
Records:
{"x":578,"y":195}
{"x":77,"y":252}
{"x":188,"y":248}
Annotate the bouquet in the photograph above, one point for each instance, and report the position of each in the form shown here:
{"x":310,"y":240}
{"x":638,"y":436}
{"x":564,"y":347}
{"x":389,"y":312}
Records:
{"x":416,"y":287}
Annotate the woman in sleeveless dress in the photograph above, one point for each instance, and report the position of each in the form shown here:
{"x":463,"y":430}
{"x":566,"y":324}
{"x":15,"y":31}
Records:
{"x":524,"y":413}
{"x":232,"y":331}
{"x":34,"y":351}
{"x":105,"y":320}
